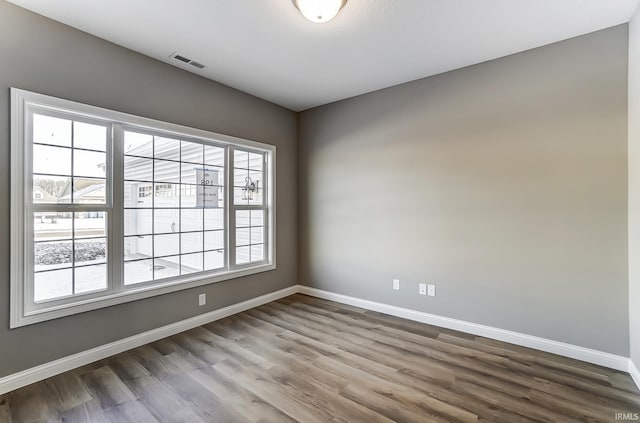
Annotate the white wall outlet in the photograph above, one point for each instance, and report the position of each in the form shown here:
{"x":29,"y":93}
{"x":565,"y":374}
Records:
{"x":431,"y":290}
{"x":423,"y":289}
{"x":202,"y":299}
{"x":396,"y":284}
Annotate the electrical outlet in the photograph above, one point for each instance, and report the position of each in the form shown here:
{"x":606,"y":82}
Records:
{"x":431,"y":290}
{"x":423,"y":289}
{"x":396,"y":284}
{"x":202,"y":299}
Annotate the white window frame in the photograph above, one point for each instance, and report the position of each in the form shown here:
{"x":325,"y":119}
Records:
{"x":23,"y":312}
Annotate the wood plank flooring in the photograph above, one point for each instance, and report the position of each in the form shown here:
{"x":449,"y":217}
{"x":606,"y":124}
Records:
{"x":309,"y":360}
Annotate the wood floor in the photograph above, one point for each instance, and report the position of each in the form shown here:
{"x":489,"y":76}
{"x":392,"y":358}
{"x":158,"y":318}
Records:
{"x":309,"y":360}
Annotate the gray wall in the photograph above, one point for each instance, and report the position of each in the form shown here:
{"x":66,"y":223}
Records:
{"x":46,"y":57}
{"x":634,"y":187}
{"x":504,"y":183}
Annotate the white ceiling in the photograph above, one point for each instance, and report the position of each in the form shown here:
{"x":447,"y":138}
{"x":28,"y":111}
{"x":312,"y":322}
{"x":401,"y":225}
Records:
{"x":266,"y":48}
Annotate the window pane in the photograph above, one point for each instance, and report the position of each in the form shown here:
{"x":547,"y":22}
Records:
{"x":191,"y":263}
{"x":256,"y":161}
{"x":93,"y":137}
{"x":88,"y":191}
{"x":51,"y":189}
{"x":257,"y":235}
{"x":89,"y":163}
{"x":243,"y":255}
{"x":90,"y":251}
{"x":53,"y":160}
{"x":257,"y":252}
{"x":166,"y":221}
{"x":191,"y":220}
{"x":166,"y":267}
{"x":242,"y":219}
{"x":240,"y":177}
{"x":192,"y":152}
{"x":138,"y":271}
{"x":213,"y":175}
{"x":188,"y":196}
{"x":90,"y":224}
{"x":138,"y":168}
{"x":258,"y":179}
{"x":243,"y":236}
{"x":52,"y":225}
{"x":51,"y":130}
{"x":257,"y":200}
{"x":191,"y":242}
{"x":213,"y":156}
{"x":213,"y":219}
{"x":138,"y":144}
{"x":53,"y":284}
{"x":214,"y":240}
{"x":189,"y":170}
{"x":166,"y":171}
{"x":90,"y":278}
{"x":241,"y":159}
{"x":257,"y":218}
{"x":240,"y":196}
{"x":212,"y":196}
{"x":166,"y":148}
{"x":52,"y":255}
{"x":214,"y":260}
{"x":138,"y":247}
{"x":138,"y":222}
{"x":167,"y":195}
{"x":166,"y":245}
{"x":257,"y":184}
{"x":138,"y":194}
{"x":201,"y":196}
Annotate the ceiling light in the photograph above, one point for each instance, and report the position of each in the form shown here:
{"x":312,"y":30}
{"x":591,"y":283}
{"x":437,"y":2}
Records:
{"x":319,"y":11}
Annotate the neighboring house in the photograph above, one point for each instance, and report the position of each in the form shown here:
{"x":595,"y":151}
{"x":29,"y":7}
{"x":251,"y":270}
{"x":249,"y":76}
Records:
{"x":42,"y":196}
{"x":91,"y":193}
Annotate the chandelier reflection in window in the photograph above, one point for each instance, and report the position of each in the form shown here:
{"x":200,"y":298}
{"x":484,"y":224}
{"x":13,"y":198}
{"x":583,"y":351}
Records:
{"x":250,"y":189}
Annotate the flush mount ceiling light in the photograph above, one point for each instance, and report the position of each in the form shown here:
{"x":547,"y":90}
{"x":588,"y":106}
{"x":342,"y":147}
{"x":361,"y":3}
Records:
{"x":319,"y":11}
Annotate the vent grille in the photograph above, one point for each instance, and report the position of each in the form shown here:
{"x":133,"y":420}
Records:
{"x":181,"y":58}
{"x":187,"y":61}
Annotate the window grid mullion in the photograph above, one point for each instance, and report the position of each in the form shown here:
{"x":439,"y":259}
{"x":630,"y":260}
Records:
{"x":204,"y":226}
{"x":180,"y":210}
{"x":231,"y":211}
{"x":153,"y":209}
{"x":73,"y":214}
{"x":116,"y":228}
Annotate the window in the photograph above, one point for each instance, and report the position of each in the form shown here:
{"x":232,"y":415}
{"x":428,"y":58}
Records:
{"x":249,"y":206}
{"x":112,"y":207}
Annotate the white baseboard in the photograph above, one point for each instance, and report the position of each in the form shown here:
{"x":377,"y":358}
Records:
{"x":44,"y":371}
{"x":635,"y":373}
{"x":573,"y":351}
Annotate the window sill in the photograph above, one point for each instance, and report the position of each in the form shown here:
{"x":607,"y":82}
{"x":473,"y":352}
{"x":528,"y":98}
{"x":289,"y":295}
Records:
{"x":43,"y":314}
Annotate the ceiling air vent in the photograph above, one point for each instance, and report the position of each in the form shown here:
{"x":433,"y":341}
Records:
{"x":187,"y":61}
